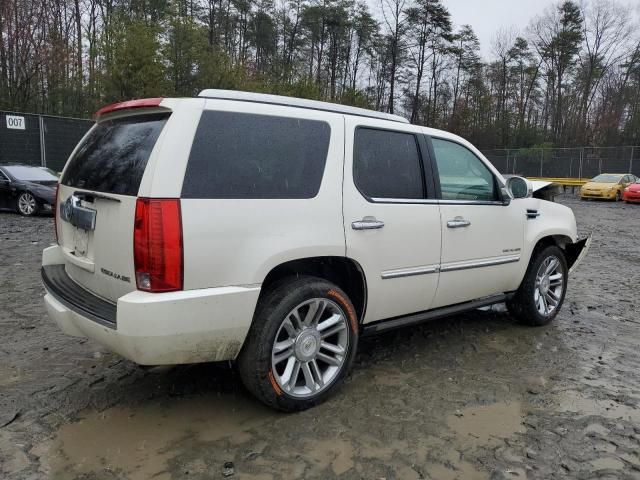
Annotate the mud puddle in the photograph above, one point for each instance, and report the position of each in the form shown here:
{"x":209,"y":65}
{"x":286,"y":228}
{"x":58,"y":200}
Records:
{"x":487,"y":424}
{"x":584,"y":405}
{"x":137,"y":442}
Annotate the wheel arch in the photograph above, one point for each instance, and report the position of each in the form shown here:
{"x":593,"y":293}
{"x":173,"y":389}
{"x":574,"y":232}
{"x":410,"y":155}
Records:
{"x":345,"y":272}
{"x":562,"y":241}
{"x":560,"y":231}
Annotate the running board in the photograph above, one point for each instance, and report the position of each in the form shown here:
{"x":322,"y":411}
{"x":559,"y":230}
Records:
{"x":421,"y":317}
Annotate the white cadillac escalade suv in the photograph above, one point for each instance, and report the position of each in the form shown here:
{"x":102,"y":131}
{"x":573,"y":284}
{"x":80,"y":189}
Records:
{"x":275,"y":232}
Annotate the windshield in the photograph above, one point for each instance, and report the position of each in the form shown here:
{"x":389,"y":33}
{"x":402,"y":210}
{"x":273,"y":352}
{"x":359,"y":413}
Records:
{"x":607,"y":178}
{"x":30,"y":174}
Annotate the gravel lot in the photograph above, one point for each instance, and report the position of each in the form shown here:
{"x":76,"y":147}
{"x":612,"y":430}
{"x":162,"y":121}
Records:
{"x":471,"y":397}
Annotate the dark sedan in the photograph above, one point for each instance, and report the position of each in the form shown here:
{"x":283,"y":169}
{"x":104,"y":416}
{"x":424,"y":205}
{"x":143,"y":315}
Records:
{"x":26,"y":189}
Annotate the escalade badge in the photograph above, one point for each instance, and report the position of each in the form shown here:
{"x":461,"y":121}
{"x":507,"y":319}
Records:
{"x":117,"y":276}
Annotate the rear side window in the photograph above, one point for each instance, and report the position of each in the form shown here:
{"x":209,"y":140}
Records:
{"x":113,"y":157}
{"x":386,"y":164}
{"x":241,"y":155}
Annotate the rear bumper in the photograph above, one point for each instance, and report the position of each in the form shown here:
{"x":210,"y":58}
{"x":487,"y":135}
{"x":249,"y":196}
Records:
{"x":71,"y":295}
{"x":155,"y":329}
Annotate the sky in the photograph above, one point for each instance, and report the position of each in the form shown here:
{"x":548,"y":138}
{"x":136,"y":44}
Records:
{"x":488,"y":16}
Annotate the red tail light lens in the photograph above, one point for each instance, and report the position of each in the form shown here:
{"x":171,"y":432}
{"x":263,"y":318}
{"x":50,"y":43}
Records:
{"x":55,"y":212}
{"x":157,"y":245}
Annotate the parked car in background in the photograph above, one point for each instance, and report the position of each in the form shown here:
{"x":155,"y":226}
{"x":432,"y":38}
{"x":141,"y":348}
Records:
{"x":27,"y":189}
{"x":276,"y":231}
{"x":607,"y":186}
{"x":631,"y":193}
{"x":52,"y":172}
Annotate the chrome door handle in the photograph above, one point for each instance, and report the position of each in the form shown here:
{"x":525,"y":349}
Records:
{"x":458,"y":222}
{"x":367,"y":223}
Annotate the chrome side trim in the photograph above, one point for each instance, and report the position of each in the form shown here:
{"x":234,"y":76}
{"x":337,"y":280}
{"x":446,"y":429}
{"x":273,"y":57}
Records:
{"x":409,"y":272}
{"x":428,"y":201}
{"x":451,"y":267}
{"x":470,"y":202}
{"x":432,"y":201}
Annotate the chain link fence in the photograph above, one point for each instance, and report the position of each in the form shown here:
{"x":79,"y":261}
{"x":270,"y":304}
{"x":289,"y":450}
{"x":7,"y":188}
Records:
{"x":42,"y":140}
{"x":578,"y":162}
{"x":48,"y":141}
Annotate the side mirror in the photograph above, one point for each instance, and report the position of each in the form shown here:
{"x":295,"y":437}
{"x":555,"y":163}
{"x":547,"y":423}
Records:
{"x":519,"y":187}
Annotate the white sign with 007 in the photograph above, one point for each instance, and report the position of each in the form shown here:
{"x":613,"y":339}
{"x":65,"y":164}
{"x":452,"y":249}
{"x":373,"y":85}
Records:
{"x":16,"y":122}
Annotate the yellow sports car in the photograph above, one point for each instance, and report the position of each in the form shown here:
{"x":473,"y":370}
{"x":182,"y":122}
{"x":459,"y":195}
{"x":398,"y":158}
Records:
{"x":607,"y":186}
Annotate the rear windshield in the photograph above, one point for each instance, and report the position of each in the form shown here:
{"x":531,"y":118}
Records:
{"x":113,"y":157}
{"x":242,"y":155}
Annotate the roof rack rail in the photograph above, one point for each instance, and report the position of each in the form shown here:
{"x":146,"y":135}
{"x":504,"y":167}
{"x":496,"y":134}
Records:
{"x":297,"y":102}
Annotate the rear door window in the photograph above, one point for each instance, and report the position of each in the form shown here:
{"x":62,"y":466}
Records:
{"x":241,"y":155}
{"x":113,"y":157}
{"x":386,"y":164}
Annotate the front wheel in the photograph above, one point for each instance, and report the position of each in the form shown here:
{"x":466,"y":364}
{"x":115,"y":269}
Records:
{"x":618,"y":196}
{"x":301,"y":344}
{"x":26,"y":204}
{"x":541,"y":294}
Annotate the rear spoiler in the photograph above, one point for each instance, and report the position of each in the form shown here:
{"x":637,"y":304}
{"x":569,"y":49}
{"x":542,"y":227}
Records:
{"x":128,"y":105}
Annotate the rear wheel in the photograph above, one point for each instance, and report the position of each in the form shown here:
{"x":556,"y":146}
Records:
{"x":618,"y":196}
{"x":541,"y":294}
{"x":301,"y":344}
{"x":26,"y":204}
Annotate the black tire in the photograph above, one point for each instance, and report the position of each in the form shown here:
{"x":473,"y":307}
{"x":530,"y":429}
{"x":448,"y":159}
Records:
{"x":618,"y":196}
{"x":27,"y":205}
{"x":523,"y":306}
{"x":274,"y":308}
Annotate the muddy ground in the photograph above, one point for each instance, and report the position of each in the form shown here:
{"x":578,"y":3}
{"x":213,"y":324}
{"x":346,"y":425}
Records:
{"x":472,"y":397}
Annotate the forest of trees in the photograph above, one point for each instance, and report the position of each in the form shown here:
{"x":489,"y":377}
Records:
{"x":572,"y":77}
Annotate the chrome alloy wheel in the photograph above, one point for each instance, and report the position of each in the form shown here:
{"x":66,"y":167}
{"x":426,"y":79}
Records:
{"x":26,"y":204}
{"x":310,"y":348}
{"x":549,"y":285}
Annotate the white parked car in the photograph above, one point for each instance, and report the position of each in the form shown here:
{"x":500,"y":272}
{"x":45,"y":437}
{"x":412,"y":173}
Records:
{"x":275,"y":232}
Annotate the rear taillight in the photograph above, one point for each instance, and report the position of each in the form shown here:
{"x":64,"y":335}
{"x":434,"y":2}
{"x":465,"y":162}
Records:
{"x":157,"y":245}
{"x":55,"y":212}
